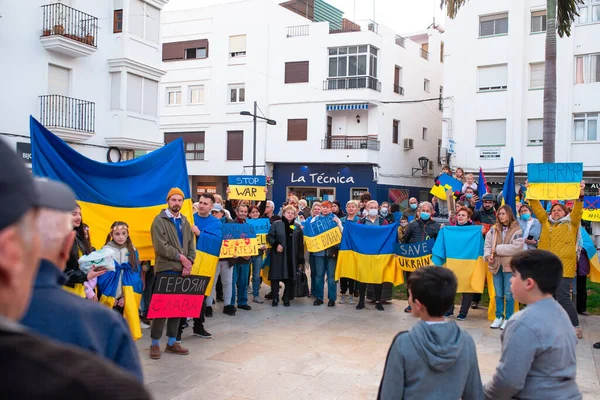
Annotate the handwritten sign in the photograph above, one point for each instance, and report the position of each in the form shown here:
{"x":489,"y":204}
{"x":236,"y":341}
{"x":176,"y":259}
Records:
{"x":591,"y":208}
{"x":321,"y":234}
{"x":177,"y":296}
{"x":239,"y":240}
{"x":261,"y":228}
{"x":554,"y":181}
{"x":412,"y":256}
{"x":444,"y":184}
{"x":247,"y":187}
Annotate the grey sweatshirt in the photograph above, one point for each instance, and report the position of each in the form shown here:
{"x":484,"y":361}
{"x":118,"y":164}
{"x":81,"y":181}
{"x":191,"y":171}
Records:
{"x":538,"y":356}
{"x":432,"y":361}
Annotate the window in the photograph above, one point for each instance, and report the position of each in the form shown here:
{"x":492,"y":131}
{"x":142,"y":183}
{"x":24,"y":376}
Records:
{"x":424,"y":135}
{"x":193,"y":143}
{"x":535,"y":136}
{"x":235,"y":145}
{"x":144,"y":20}
{"x":538,"y":21}
{"x":398,"y":80}
{"x":118,"y":21}
{"x":237,"y":46}
{"x":536,"y":75}
{"x":492,"y":77}
{"x":395,"y":131}
{"x":237,"y":93}
{"x":296,"y":72}
{"x":58,"y":80}
{"x":441,"y":102}
{"x":491,"y":25}
{"x":585,"y":127}
{"x":142,"y":95}
{"x":587,"y":68}
{"x":491,"y":132}
{"x":150,"y":97}
{"x":297,"y":129}
{"x":115,"y":90}
{"x":189,"y":50}
{"x":353,"y":61}
{"x":442,"y":52}
{"x":589,"y":12}
{"x":192,"y":53}
{"x":174,"y":96}
{"x":196,"y":94}
{"x":439,"y":152}
{"x":426,"y":85}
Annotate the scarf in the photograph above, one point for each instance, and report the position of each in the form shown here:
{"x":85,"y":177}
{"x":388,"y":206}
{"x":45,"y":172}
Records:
{"x":526,"y":232}
{"x":567,"y":220}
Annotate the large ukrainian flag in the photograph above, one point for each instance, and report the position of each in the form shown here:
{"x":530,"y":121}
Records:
{"x":367,"y":254}
{"x":131,"y":191}
{"x":208,"y":248}
{"x":460,"y":249}
{"x":592,"y":253}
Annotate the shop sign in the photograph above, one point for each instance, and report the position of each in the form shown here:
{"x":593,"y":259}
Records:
{"x":488,"y":153}
{"x":321,"y":178}
{"x":24,"y":151}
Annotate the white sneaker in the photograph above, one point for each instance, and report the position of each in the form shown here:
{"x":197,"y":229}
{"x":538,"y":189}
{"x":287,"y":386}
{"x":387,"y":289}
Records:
{"x":343,"y":299}
{"x":249,"y":290}
{"x":258,"y":299}
{"x":504,"y":324}
{"x":144,"y":326}
{"x":351,"y":296}
{"x":497,"y":323}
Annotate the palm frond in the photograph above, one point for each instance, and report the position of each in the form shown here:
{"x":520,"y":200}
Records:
{"x":452,"y":6}
{"x":567,"y":10}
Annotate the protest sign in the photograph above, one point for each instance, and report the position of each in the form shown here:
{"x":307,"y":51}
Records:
{"x":239,"y":240}
{"x":591,"y":208}
{"x":247,"y":187}
{"x":414,"y":255}
{"x":177,"y":296}
{"x":261,"y":228}
{"x":446,"y":183}
{"x":554,"y":181}
{"x":321,"y":234}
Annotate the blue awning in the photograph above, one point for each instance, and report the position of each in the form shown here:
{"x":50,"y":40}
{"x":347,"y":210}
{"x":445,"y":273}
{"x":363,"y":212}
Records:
{"x":344,"y":107}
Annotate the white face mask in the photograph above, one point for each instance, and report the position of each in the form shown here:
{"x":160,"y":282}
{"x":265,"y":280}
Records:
{"x":373,"y":213}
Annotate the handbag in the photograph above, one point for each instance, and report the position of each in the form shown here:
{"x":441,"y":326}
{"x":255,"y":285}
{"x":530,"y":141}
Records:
{"x":301,"y":284}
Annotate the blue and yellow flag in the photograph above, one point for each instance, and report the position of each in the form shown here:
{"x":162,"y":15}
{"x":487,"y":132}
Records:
{"x":132,"y":191}
{"x":367,"y":254}
{"x":247,"y":187}
{"x":444,"y":183}
{"x":321,"y":233}
{"x":132,"y":293}
{"x":208,"y":248}
{"x":412,"y":256}
{"x":591,"y":208}
{"x":460,"y":249}
{"x":592,"y":253}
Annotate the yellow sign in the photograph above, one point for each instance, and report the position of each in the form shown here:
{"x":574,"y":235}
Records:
{"x":553,"y":191}
{"x":261,"y":239}
{"x":246,"y":247}
{"x":324,"y":240}
{"x":412,"y":264}
{"x":247,"y":187}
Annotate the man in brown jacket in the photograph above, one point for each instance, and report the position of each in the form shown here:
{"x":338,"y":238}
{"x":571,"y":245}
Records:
{"x":175,"y":251}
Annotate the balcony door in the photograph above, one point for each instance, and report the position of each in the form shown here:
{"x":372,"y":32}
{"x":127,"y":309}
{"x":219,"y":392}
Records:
{"x":55,"y":107}
{"x":58,"y":80}
{"x":329,"y":131}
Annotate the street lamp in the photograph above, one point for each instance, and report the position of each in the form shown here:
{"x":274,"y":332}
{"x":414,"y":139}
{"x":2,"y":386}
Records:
{"x":254,"y":117}
{"x":423,"y":163}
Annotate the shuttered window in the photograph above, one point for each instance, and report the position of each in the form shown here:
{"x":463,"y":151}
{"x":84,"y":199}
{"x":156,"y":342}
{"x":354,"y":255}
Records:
{"x":297,"y":129}
{"x":237,"y":46}
{"x":296,"y":72}
{"x":235,"y":145}
{"x":193,"y":143}
{"x":189,"y":50}
{"x":491,"y":132}
{"x":58,"y":80}
{"x":535,"y":135}
{"x":536,"y":75}
{"x":492,"y":77}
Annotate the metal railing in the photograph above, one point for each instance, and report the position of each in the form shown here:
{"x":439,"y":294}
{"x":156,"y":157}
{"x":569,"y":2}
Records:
{"x":59,"y":19}
{"x":373,"y":26}
{"x":399,"y":89}
{"x":350,"y":142}
{"x":298,"y":30}
{"x":67,"y":112}
{"x":362,"y":82}
{"x":424,"y":54}
{"x":400,"y":41}
{"x":345,"y":29}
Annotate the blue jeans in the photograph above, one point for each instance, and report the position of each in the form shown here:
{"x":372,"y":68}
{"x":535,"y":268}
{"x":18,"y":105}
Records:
{"x":241,"y":273}
{"x":325,"y":265}
{"x":502,"y":288}
{"x":313,"y":274}
{"x":256,"y":263}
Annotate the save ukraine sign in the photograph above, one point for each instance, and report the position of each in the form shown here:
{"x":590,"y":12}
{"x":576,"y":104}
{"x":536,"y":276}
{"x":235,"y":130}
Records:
{"x":412,"y":256}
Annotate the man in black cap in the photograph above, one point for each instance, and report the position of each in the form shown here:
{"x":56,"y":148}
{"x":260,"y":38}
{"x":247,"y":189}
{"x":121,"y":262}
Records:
{"x":33,"y":367}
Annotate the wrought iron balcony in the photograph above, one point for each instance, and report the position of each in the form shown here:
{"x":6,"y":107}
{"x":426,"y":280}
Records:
{"x":424,"y":55}
{"x":400,"y":41}
{"x":359,"y":82}
{"x":398,"y":89}
{"x":68,"y":31}
{"x":74,"y":118}
{"x":298,"y":30}
{"x":350,"y":143}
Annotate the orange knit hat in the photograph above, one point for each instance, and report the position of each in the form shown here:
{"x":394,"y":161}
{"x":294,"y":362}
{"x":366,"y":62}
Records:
{"x":175,"y":191}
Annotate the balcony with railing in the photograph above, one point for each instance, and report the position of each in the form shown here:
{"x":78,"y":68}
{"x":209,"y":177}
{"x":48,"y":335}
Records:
{"x":68,"y":31}
{"x":351,"y":26}
{"x":399,"y":89}
{"x":400,"y":41}
{"x":69,"y":118}
{"x":424,"y":54}
{"x":359,"y":82}
{"x":298,"y":30}
{"x":368,"y":142}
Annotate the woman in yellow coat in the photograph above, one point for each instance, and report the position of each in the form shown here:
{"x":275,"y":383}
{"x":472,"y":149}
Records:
{"x":560,"y":235}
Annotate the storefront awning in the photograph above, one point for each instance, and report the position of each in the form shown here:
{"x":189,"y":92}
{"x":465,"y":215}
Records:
{"x":344,"y":107}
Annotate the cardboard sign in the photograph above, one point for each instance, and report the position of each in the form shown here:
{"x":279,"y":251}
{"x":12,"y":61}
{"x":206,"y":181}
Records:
{"x":554,"y":181}
{"x":261,"y":228}
{"x":177,"y":296}
{"x":247,"y":187}
{"x":445,"y":183}
{"x":412,"y":256}
{"x":239,"y":240}
{"x":321,"y":234}
{"x":591,"y":208}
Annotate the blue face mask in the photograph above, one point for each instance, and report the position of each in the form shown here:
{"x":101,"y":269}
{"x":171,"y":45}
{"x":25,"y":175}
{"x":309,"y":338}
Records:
{"x":469,"y":195}
{"x":525,"y":217}
{"x":413,"y":206}
{"x":425,"y":216}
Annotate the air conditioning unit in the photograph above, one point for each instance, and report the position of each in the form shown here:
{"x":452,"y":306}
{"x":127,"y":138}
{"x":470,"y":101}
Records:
{"x":408,"y":144}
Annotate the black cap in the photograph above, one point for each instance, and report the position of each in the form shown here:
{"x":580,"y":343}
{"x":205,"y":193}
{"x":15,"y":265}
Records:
{"x":487,"y":197}
{"x":19,"y":193}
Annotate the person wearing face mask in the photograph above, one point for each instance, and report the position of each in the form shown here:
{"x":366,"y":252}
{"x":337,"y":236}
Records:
{"x":530,"y":226}
{"x":411,"y":211}
{"x":347,"y":284}
{"x":384,"y":211}
{"x":420,"y":229}
{"x":470,"y":198}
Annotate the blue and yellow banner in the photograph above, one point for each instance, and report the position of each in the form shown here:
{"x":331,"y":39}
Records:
{"x":247,"y":187}
{"x":412,"y":256}
{"x":261,"y":228}
{"x":367,"y":254}
{"x":592,"y":253}
{"x":444,"y":183}
{"x":208,"y":248}
{"x":321,"y":233}
{"x":460,"y":249}
{"x":132,"y":191}
{"x":239,"y":240}
{"x":554,"y":181}
{"x":591,"y":208}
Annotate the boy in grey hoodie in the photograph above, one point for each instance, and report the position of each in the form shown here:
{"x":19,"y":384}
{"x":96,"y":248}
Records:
{"x":435,"y":359}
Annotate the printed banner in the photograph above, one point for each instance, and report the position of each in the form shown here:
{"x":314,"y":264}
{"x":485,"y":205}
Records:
{"x":261,"y":228}
{"x":412,"y":256}
{"x":239,"y":240}
{"x":321,"y":234}
{"x":554,"y":181}
{"x":177,"y":296}
{"x":247,"y":187}
{"x":444,"y":183}
{"x":591,"y":208}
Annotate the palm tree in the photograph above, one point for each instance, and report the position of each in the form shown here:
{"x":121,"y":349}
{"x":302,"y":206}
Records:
{"x":560,"y":15}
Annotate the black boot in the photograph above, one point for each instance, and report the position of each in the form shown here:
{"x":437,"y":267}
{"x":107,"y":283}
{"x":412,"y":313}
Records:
{"x":275,"y":302}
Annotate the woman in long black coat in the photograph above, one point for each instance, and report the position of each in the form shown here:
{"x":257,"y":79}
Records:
{"x":287,"y":241}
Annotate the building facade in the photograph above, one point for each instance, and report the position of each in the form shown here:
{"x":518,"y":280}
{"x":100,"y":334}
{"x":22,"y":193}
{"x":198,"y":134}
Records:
{"x":494,"y":70}
{"x":329,"y":83}
{"x":87,"y":70}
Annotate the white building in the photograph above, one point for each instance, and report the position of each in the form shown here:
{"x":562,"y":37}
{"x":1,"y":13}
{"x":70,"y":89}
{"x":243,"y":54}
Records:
{"x":495,"y":76}
{"x":324,"y":83}
{"x":87,"y":70}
